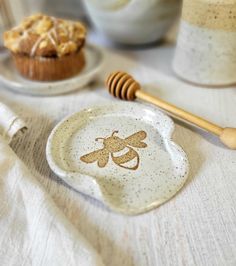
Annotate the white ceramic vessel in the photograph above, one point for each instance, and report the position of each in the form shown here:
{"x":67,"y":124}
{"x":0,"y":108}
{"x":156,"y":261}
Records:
{"x":133,"y":22}
{"x":206,"y":47}
{"x":121,"y":154}
{"x":11,"y":79}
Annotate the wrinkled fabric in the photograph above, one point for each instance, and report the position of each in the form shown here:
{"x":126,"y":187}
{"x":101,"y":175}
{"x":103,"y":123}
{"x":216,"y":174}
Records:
{"x":33,"y":231}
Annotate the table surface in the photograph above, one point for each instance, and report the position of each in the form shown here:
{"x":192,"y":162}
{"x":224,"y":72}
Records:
{"x":196,"y":227}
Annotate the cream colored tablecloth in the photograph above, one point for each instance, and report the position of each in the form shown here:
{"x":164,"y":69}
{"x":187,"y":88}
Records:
{"x":33,"y":231}
{"x":197,"y":227}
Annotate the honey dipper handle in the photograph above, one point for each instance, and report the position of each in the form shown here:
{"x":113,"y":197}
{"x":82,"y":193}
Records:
{"x":180,"y":113}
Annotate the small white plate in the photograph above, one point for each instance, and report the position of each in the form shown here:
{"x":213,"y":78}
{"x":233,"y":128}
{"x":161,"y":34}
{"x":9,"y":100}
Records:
{"x":10,"y":78}
{"x":133,"y":171}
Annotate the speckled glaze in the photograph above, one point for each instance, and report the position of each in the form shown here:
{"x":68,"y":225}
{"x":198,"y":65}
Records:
{"x":206,"y":47}
{"x":10,"y":78}
{"x":160,"y":173}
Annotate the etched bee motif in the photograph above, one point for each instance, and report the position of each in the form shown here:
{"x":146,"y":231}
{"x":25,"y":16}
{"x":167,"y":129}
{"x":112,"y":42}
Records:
{"x":114,"y":144}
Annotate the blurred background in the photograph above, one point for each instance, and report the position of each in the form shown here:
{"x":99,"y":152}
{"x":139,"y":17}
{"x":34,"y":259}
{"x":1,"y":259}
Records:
{"x":121,"y":21}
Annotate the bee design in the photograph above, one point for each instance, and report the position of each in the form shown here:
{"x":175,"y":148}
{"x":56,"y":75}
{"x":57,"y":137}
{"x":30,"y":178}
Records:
{"x":115,"y":144}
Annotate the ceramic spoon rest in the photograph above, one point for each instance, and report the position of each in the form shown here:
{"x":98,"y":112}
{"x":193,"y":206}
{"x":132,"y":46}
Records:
{"x":121,"y":154}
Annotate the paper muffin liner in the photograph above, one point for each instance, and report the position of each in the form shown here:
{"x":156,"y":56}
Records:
{"x":49,"y":68}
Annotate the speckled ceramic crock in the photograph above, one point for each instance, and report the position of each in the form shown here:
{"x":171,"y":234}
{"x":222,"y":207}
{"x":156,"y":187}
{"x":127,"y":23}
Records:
{"x":121,"y":154}
{"x":206,"y":46}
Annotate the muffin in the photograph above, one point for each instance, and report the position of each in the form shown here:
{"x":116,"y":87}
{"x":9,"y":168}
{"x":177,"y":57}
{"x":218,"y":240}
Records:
{"x":45,"y":48}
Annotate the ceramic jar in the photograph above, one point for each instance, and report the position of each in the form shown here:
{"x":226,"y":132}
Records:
{"x":206,"y":46}
{"x":133,"y":21}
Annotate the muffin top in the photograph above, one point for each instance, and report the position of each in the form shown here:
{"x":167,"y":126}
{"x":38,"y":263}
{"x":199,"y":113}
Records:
{"x":41,"y":35}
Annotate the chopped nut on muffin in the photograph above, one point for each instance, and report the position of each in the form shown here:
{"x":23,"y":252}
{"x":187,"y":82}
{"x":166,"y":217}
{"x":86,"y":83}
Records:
{"x":47,"y":48}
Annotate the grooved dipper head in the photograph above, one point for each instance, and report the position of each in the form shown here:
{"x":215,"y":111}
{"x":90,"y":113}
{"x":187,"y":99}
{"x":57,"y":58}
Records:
{"x":122,"y":85}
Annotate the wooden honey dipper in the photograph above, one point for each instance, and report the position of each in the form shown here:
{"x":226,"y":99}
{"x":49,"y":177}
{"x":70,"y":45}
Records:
{"x":123,"y":86}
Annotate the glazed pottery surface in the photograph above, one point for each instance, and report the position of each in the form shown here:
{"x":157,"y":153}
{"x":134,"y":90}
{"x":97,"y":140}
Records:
{"x":121,"y":154}
{"x":133,"y":22}
{"x":11,"y":79}
{"x":206,"y":47}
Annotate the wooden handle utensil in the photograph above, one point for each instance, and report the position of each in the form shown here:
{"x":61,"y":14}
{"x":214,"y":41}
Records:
{"x":123,"y":86}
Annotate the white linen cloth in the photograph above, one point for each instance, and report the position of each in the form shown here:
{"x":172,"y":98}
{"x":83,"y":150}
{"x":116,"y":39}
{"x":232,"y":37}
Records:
{"x":33,"y":229}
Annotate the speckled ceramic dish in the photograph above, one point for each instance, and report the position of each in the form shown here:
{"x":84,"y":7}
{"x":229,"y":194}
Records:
{"x":10,"y":78}
{"x":121,"y":154}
